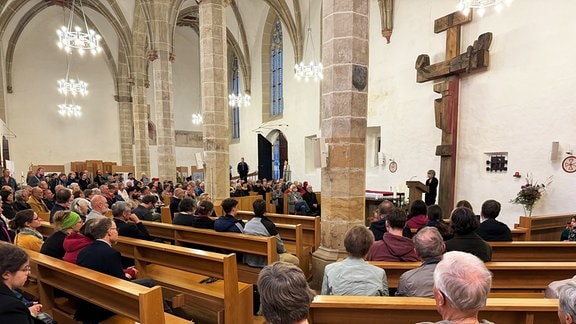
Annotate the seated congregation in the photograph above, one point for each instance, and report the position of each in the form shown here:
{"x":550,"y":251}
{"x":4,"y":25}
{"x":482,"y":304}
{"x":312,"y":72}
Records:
{"x":89,"y":223}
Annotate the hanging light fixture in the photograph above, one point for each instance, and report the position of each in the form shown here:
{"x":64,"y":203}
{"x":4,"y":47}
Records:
{"x":236,"y":98}
{"x":69,"y":38}
{"x":69,"y":110}
{"x":70,"y":86}
{"x":197,"y":119}
{"x":481,"y":5}
{"x":311,"y":70}
{"x":240,"y":100}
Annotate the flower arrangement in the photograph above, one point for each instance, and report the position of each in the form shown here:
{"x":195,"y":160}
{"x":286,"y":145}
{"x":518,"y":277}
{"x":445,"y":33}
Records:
{"x":530,"y":193}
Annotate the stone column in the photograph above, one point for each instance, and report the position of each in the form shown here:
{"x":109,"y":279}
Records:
{"x":345,"y":26}
{"x":214,"y":90}
{"x":140,"y":117}
{"x":161,"y":58}
{"x":139,"y":85}
{"x":124,"y":99}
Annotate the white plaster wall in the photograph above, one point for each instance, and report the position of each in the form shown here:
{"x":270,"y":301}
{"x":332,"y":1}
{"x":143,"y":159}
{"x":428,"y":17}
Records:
{"x":186,"y":79}
{"x":301,"y":101}
{"x":42,"y":135}
{"x":520,"y":105}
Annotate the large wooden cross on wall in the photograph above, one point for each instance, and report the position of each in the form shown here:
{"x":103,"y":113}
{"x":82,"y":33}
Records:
{"x":448,"y":72}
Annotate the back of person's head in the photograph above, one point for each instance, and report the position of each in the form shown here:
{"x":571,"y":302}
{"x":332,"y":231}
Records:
{"x":228,"y":204}
{"x":65,"y":219}
{"x":187,"y":205}
{"x":12,"y":258}
{"x":358,"y":241}
{"x":149,"y":199}
{"x":434,"y":213}
{"x":119,"y":207}
{"x":464,"y":203}
{"x":384,"y":209}
{"x":490,"y":209}
{"x":285,"y":296}
{"x":97,"y":228}
{"x":567,"y":303}
{"x":429,"y":243}
{"x":396,"y":219}
{"x":463,"y":280}
{"x":63,"y":196}
{"x":4,"y":194}
{"x":205,"y":207}
{"x":19,"y":195}
{"x":259,"y":206}
{"x":77,"y":205}
{"x":418,"y":208}
{"x":21,"y":218}
{"x":463,"y":221}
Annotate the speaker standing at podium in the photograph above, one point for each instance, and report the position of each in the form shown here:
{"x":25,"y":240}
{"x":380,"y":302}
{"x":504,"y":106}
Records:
{"x":432,"y":184}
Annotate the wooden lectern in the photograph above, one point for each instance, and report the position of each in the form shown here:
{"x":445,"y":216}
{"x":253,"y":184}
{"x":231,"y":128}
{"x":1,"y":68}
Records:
{"x":415,"y":191}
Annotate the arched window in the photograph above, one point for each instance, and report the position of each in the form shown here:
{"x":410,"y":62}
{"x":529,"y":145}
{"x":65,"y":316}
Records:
{"x":276,"y":103}
{"x":235,"y":86}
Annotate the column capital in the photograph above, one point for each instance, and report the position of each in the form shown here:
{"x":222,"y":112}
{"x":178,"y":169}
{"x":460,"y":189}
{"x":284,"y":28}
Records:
{"x":152,"y":55}
{"x":226,"y":2}
{"x":123,"y":98}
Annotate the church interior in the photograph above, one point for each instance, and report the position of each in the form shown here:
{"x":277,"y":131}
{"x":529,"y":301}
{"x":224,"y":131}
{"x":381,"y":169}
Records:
{"x":387,"y":90}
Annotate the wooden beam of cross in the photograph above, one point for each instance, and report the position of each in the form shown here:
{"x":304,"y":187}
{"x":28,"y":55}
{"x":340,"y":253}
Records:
{"x":448,"y":73}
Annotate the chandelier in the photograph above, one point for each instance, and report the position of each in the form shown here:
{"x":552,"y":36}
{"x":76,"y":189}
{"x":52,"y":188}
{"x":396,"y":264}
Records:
{"x":72,"y":86}
{"x":69,"y":110}
{"x":197,"y":119}
{"x":311,"y":70}
{"x":69,"y":38}
{"x":480,"y":5}
{"x":240,"y":100}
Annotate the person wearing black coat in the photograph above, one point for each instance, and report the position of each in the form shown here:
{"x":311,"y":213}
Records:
{"x":15,"y":268}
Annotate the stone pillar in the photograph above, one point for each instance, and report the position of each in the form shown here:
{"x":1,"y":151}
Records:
{"x":124,"y":99}
{"x":345,"y":26}
{"x":139,"y":85}
{"x":161,"y":57}
{"x":214,"y":90}
{"x":140,"y":118}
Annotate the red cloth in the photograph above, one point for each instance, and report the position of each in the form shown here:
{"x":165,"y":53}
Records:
{"x":73,"y":244}
{"x":392,"y":248}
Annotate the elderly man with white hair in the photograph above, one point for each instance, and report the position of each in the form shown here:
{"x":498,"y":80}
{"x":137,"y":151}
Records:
{"x":461,"y":286}
{"x":567,"y":304}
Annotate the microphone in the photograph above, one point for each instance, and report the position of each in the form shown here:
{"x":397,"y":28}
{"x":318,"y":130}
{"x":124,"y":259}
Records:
{"x":412,"y":178}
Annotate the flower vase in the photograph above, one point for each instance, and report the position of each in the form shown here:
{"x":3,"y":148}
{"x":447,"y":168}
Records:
{"x":528,"y":210}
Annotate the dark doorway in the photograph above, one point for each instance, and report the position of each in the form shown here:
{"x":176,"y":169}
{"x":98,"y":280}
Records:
{"x":5,"y":151}
{"x":264,"y":158}
{"x":280,"y":155}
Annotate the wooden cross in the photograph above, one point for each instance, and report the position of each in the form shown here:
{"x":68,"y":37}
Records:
{"x":476,"y":58}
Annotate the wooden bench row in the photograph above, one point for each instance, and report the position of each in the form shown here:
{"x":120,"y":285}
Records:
{"x":181,"y":271}
{"x":127,"y":299}
{"x":511,"y":278}
{"x":351,"y":309}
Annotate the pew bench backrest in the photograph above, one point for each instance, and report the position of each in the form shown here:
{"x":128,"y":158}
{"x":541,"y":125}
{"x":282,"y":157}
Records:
{"x":139,"y":303}
{"x":351,"y":309}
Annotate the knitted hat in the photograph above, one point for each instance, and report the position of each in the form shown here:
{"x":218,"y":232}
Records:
{"x":70,"y":221}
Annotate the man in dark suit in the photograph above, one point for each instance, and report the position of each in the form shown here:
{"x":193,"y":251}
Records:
{"x":243,"y":170}
{"x":175,"y":201}
{"x":122,"y":214}
{"x":490,"y":229}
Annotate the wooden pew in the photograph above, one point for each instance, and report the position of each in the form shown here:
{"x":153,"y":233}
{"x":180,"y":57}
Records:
{"x":519,"y":233}
{"x":508,"y":277}
{"x":181,"y":270}
{"x":165,"y":215}
{"x":310,"y":225}
{"x":534,"y":251}
{"x":393,"y":310}
{"x":293,"y":238}
{"x":127,"y":299}
{"x":544,"y":227}
{"x":245,"y":203}
{"x":259,"y":245}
